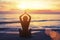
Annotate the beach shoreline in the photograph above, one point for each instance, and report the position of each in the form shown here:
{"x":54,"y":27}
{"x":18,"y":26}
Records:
{"x":37,"y":34}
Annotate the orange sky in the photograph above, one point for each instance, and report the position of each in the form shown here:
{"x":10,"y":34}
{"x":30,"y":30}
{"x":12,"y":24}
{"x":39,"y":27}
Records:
{"x":7,"y":5}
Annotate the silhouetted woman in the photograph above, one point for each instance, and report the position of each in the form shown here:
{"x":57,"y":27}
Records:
{"x":25,"y":21}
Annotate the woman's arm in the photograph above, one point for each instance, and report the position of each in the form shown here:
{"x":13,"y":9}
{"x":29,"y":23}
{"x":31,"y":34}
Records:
{"x":21,"y":17}
{"x":29,"y":17}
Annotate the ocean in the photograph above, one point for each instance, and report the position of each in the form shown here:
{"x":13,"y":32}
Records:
{"x":37,"y":21}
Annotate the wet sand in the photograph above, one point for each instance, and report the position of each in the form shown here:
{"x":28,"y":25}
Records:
{"x":40,"y":34}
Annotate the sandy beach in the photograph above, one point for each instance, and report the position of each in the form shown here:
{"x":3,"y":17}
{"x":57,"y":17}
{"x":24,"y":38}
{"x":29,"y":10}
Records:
{"x":37,"y":34}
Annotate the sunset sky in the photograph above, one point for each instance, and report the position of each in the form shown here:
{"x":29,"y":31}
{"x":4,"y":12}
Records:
{"x":7,"y":5}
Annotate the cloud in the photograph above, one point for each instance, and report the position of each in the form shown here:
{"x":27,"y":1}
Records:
{"x":6,"y":6}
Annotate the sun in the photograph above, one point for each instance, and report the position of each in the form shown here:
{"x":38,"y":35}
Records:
{"x":23,"y":6}
{"x":33,"y":5}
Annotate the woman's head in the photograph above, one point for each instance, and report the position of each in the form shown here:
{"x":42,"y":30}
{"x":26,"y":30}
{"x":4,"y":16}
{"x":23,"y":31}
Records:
{"x":25,"y":18}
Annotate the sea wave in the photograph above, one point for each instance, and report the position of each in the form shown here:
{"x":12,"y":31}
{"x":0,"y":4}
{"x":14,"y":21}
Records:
{"x":8,"y":22}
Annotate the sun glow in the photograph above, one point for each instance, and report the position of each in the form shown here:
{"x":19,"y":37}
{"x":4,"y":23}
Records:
{"x":33,"y":5}
{"x":7,"y":5}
